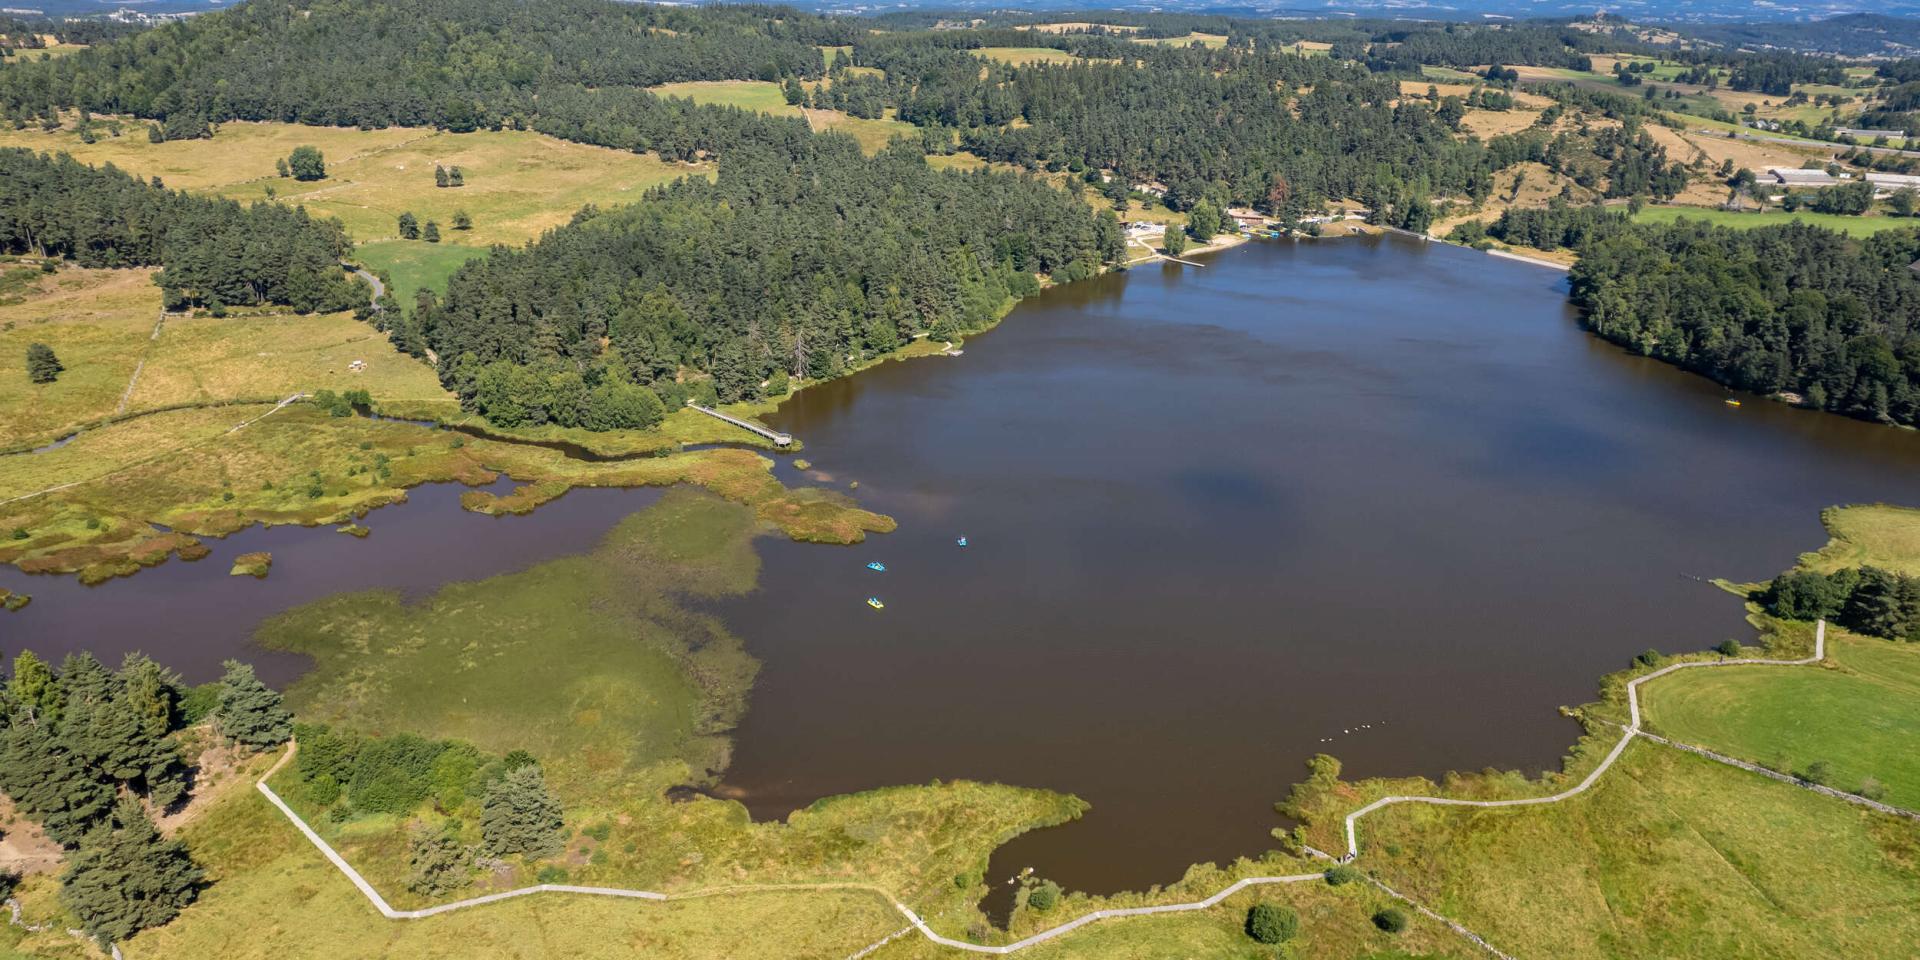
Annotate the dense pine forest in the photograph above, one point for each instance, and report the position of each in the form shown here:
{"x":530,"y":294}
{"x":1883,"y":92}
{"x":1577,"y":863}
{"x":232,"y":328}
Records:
{"x":1785,"y":308}
{"x":460,"y":64}
{"x":212,"y":252}
{"x":789,"y":265}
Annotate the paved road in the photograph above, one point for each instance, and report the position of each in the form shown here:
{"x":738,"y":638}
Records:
{"x":1824,"y":144}
{"x":379,"y":289}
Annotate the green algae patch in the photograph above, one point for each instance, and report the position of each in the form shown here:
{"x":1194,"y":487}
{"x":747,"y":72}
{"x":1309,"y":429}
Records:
{"x":13,"y":601}
{"x":101,"y":500}
{"x":253,"y":565}
{"x":353,"y":530}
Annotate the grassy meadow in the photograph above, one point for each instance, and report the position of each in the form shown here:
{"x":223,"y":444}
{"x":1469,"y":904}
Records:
{"x":412,"y":265}
{"x":98,"y":322}
{"x":1859,"y":715}
{"x":1670,"y":855}
{"x":1853,"y":226}
{"x":768,"y":98}
{"x":103,"y":324}
{"x":1877,"y":535}
{"x":1025,"y":55}
{"x":518,"y":184}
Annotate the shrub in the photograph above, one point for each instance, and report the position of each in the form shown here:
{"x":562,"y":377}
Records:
{"x":323,"y":790}
{"x":552,"y":873}
{"x":1044,"y":897}
{"x":1817,"y":772}
{"x":1873,"y":789}
{"x":1342,"y":875}
{"x":1647,"y":657}
{"x":1268,"y":923}
{"x":306,"y":163}
{"x":1729,"y":648}
{"x":1390,"y":919}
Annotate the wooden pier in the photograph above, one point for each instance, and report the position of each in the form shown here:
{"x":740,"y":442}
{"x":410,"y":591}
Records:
{"x":779,"y":439}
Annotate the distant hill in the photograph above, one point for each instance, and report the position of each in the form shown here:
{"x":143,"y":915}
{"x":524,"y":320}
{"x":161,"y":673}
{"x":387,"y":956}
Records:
{"x":1669,"y":11}
{"x":1852,"y":35}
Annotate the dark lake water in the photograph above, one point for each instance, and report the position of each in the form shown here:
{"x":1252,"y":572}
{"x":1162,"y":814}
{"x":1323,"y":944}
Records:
{"x":1373,"y":498}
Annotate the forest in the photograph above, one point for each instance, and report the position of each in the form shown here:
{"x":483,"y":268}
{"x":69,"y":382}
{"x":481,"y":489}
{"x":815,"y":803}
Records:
{"x":86,"y":752}
{"x":458,"y":64}
{"x":1792,"y":308}
{"x":212,"y":252}
{"x":828,"y":258}
{"x":1868,"y":600}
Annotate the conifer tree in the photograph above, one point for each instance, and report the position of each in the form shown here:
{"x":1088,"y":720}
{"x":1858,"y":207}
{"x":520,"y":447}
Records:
{"x":49,"y":783}
{"x":520,"y":816}
{"x":126,"y":877}
{"x":439,"y":175}
{"x":42,"y":365}
{"x":431,"y":233}
{"x":250,"y":712}
{"x":439,"y":863}
{"x":456,"y":178}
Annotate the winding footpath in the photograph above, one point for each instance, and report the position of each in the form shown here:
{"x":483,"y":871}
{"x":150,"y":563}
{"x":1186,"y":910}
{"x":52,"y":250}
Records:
{"x":1630,"y":731}
{"x":916,"y":923}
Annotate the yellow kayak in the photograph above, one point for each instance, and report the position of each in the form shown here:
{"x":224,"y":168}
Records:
{"x":1731,"y":402}
{"x":875,"y":603}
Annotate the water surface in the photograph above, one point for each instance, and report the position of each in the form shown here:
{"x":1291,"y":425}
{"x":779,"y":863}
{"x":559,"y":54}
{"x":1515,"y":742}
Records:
{"x":1373,"y":498}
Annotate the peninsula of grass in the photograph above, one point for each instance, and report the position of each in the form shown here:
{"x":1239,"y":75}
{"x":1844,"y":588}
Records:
{"x":1868,"y":535}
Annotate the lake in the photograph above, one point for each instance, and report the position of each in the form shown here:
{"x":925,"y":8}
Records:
{"x":1374,"y":498}
{"x":1368,"y":497}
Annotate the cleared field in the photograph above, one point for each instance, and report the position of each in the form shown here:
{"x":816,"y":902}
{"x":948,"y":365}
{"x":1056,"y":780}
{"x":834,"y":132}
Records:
{"x":202,"y":359}
{"x":1860,"y":717}
{"x":955,"y":161}
{"x":518,"y":184}
{"x":1855,"y":226}
{"x":239,"y":153}
{"x":1204,"y":39}
{"x":413,"y":265}
{"x":873,"y":135}
{"x":757,"y":95}
{"x":97,"y":322}
{"x":102,"y":325}
{"x":1670,"y":855}
{"x":767,"y":98}
{"x":1025,"y":55}
{"x":1076,"y":26}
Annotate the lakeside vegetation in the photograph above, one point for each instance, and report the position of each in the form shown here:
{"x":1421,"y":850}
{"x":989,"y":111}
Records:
{"x":801,"y":259}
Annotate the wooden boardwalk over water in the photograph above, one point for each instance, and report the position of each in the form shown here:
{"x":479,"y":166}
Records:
{"x":779,"y":439}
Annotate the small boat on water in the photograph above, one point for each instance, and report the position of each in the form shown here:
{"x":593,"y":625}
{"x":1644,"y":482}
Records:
{"x":875,"y":603}
{"x":962,"y":541}
{"x":1731,"y":402}
{"x":877,"y":566}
